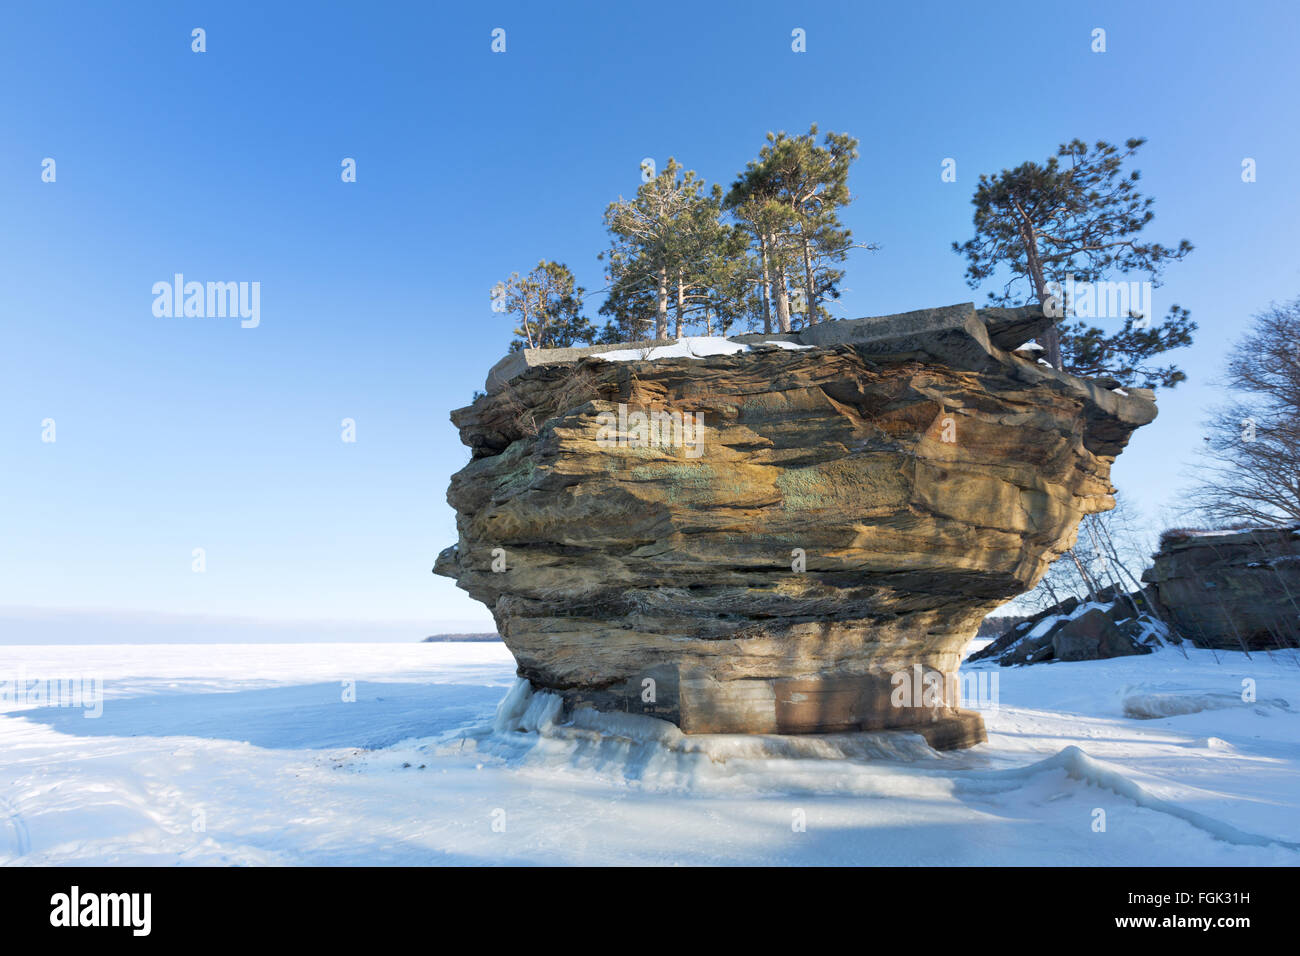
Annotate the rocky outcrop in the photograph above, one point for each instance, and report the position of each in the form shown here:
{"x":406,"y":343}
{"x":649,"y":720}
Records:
{"x":1115,"y":625}
{"x":1230,"y":590}
{"x":798,"y":537}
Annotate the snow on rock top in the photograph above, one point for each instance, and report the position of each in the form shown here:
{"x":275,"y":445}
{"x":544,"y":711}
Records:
{"x":692,"y":346}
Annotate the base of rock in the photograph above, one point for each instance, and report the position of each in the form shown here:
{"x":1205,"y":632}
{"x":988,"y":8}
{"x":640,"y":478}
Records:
{"x":699,"y":704}
{"x":956,"y":730}
{"x":527,"y":714}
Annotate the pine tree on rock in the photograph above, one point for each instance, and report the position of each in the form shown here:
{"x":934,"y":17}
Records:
{"x":789,"y":200}
{"x":1077,"y":216}
{"x":547,"y":305}
{"x":631,"y":309}
{"x":649,"y":236}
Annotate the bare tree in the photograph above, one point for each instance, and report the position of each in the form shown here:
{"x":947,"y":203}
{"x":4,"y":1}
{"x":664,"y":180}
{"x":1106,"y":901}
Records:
{"x":1252,"y":472}
{"x":1109,"y":554}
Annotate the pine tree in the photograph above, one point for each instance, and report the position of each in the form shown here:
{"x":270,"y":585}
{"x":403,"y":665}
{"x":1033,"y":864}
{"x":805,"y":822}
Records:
{"x":763,"y":219}
{"x":650,"y":235}
{"x":828,"y":250}
{"x":789,"y":200}
{"x":630,"y":307}
{"x":705,"y":251}
{"x":727,"y":293}
{"x":1080,"y":216}
{"x":547,"y":305}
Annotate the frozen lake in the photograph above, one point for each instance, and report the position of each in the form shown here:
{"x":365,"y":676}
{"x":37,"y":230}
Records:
{"x":356,"y":754}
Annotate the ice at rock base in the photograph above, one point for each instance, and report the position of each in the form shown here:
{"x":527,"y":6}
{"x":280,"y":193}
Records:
{"x":528,"y":728}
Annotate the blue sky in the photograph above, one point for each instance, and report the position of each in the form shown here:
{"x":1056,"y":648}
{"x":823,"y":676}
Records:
{"x":175,"y":433}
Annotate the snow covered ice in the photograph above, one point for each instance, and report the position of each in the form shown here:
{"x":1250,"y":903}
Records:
{"x":253,"y":754}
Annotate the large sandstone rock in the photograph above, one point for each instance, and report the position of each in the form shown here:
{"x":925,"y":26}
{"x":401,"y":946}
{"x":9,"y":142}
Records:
{"x":1233,"y":591}
{"x":847,"y":514}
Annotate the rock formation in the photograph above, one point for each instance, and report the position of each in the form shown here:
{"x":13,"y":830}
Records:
{"x":798,"y":537}
{"x":1230,"y":590}
{"x":1117,"y":625}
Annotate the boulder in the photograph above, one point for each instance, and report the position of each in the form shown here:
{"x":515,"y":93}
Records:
{"x":1237,"y":590}
{"x":1093,"y":636}
{"x":777,"y":539}
{"x":1115,"y":625}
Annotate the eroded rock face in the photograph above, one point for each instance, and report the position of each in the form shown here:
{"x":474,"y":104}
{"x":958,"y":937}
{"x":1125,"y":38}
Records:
{"x":1238,"y":591}
{"x":833,"y":533}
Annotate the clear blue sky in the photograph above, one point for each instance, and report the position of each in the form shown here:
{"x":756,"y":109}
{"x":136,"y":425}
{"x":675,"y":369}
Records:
{"x":174,"y":434}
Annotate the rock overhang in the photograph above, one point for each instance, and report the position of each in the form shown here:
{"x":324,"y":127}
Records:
{"x":639,"y":564}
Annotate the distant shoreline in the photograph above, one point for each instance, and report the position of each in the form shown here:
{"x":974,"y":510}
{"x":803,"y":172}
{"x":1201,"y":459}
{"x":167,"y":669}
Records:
{"x":445,"y":638}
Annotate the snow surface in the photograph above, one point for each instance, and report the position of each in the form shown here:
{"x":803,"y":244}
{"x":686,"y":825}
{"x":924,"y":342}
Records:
{"x":248,"y":754}
{"x":694,"y":346}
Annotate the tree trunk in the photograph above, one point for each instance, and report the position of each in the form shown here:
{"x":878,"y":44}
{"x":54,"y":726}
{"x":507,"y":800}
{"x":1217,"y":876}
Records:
{"x":1087,"y":579}
{"x":767,"y":284}
{"x":1050,"y":340}
{"x":810,"y":298}
{"x":681,"y":305}
{"x":661,"y":305}
{"x":782,"y":302}
{"x":528,"y":327}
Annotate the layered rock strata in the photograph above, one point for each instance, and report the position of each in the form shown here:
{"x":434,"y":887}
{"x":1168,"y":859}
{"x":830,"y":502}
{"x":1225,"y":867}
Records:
{"x":798,"y":537}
